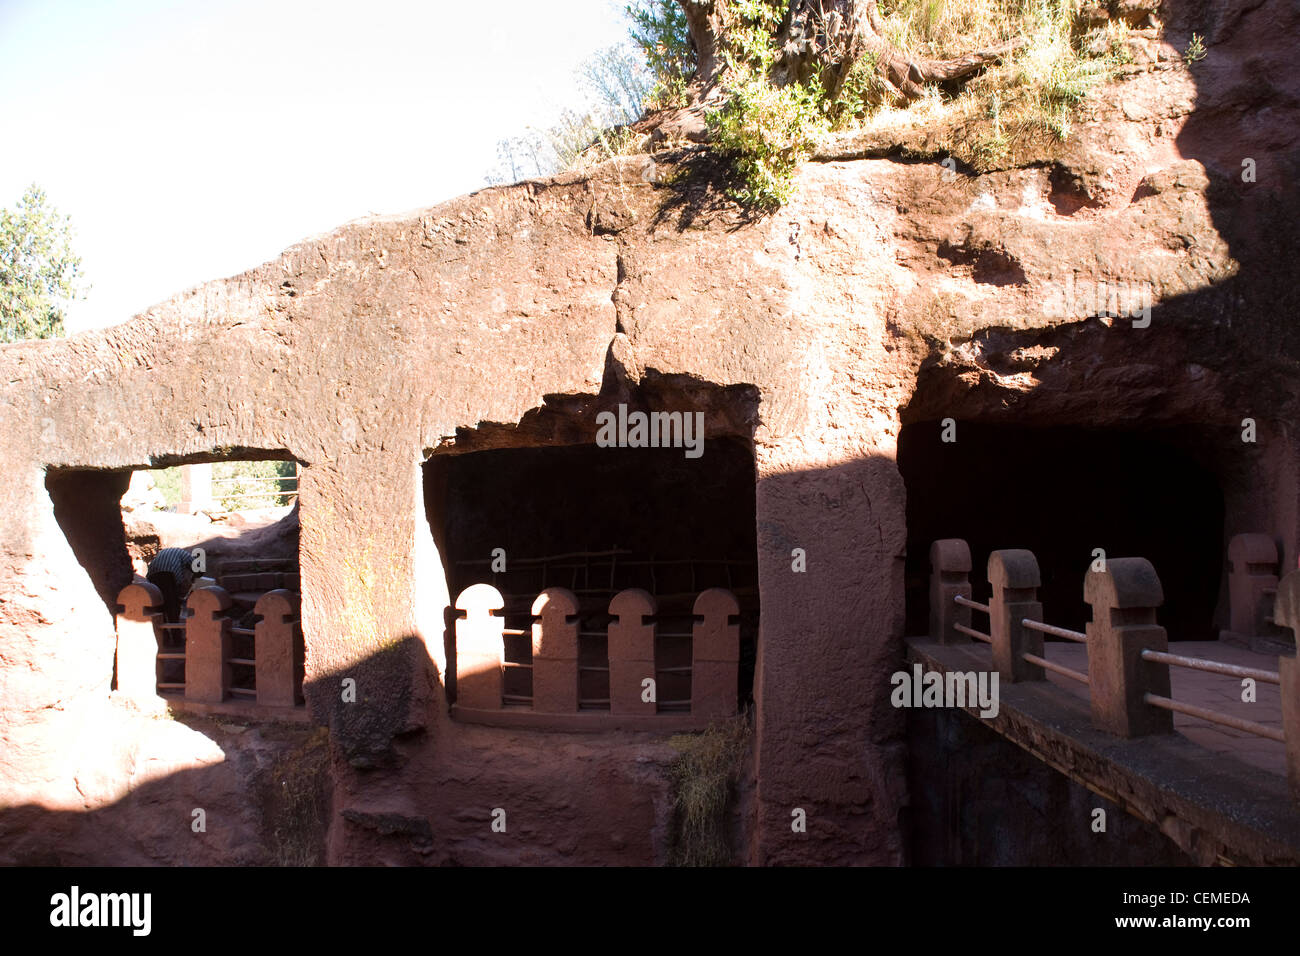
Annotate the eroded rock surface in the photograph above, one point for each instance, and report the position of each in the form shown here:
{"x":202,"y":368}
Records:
{"x":886,"y":292}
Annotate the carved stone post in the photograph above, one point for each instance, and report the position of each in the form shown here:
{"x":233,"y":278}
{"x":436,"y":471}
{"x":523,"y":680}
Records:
{"x":1252,"y":571}
{"x":277,"y":640}
{"x":480,"y":648}
{"x":1124,"y":599}
{"x":631,"y":651}
{"x":949,"y":576}
{"x":140,"y":613}
{"x":715,"y":655}
{"x":555,"y":652}
{"x":207,"y":645}
{"x":1014,"y":577}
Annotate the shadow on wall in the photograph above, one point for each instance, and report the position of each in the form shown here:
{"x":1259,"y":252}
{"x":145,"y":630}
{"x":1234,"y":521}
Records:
{"x":1024,"y":814}
{"x":833,"y":642}
{"x":262,"y":793}
{"x":265,"y":787}
{"x":88,"y":509}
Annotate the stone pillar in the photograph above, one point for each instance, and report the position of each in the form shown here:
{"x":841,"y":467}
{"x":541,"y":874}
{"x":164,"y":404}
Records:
{"x":1124,"y":599}
{"x":715,"y":655}
{"x":276,"y":639}
{"x":196,"y":488}
{"x":949,"y":576}
{"x":631,"y":651}
{"x":555,"y":652}
{"x":480,"y":648}
{"x":1014,"y":577}
{"x":207,"y":646}
{"x":140,"y":612}
{"x":1286,"y":613}
{"x":1252,"y":570}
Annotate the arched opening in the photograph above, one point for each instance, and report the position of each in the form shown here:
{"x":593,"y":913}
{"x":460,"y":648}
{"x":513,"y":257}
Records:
{"x":597,"y":520}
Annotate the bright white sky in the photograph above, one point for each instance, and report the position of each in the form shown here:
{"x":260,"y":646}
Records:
{"x":192,"y":139}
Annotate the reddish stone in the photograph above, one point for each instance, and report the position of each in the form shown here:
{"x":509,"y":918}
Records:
{"x":138,"y":619}
{"x":1252,"y":576}
{"x":715,"y":653}
{"x":1124,"y":599}
{"x":631,"y":651}
{"x":1014,"y":579}
{"x":949,"y":577}
{"x":207,"y":645}
{"x":555,"y":652}
{"x":277,"y":637}
{"x":480,"y":648}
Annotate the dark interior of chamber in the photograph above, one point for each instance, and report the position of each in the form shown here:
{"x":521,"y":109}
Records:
{"x":1062,"y":492}
{"x":597,"y":521}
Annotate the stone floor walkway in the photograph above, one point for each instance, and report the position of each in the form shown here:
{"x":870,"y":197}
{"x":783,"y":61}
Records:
{"x":1211,"y":691}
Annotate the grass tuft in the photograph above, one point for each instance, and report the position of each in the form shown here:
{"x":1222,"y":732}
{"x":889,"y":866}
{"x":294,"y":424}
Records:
{"x":703,"y":778}
{"x":1019,"y":107}
{"x":296,"y":807}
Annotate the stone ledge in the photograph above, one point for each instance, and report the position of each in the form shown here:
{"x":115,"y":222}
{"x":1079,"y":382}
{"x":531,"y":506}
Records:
{"x":593,"y":721}
{"x":234,"y":708}
{"x":1213,"y":807}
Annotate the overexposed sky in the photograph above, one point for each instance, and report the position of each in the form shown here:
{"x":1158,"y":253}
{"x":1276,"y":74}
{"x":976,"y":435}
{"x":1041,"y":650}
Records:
{"x":192,"y":139}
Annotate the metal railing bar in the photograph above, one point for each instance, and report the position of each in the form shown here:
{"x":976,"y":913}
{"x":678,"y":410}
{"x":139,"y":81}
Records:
{"x":1237,"y":723}
{"x":1055,"y":631}
{"x":979,"y":636}
{"x":1056,"y":668}
{"x":1212,"y":667}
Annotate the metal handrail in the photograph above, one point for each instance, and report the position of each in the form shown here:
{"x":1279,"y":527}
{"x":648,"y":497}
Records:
{"x":1214,"y":717}
{"x":1055,"y":668}
{"x":1055,"y":631}
{"x":978,"y":635}
{"x":1212,"y":667}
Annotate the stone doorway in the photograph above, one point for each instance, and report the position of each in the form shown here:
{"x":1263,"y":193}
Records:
{"x":597,"y":520}
{"x":1061,"y":492}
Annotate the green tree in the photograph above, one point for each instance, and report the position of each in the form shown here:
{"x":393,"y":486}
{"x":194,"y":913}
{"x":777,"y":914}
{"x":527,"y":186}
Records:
{"x":769,"y":78}
{"x":658,"y":29}
{"x":39,"y":272}
{"x":245,"y":485}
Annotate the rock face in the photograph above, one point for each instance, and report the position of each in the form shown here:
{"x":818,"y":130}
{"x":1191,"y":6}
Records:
{"x":885,"y":294}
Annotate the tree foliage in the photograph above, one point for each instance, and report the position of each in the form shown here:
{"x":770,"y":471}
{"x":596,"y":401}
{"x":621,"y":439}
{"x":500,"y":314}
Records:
{"x":770,"y":77}
{"x":39,"y":272}
{"x":245,"y":485}
{"x":658,"y":30}
{"x":1001,"y":77}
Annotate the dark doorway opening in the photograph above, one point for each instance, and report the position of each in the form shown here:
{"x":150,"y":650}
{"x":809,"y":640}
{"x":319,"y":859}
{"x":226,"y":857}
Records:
{"x":1062,"y":492}
{"x":596,"y":521}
